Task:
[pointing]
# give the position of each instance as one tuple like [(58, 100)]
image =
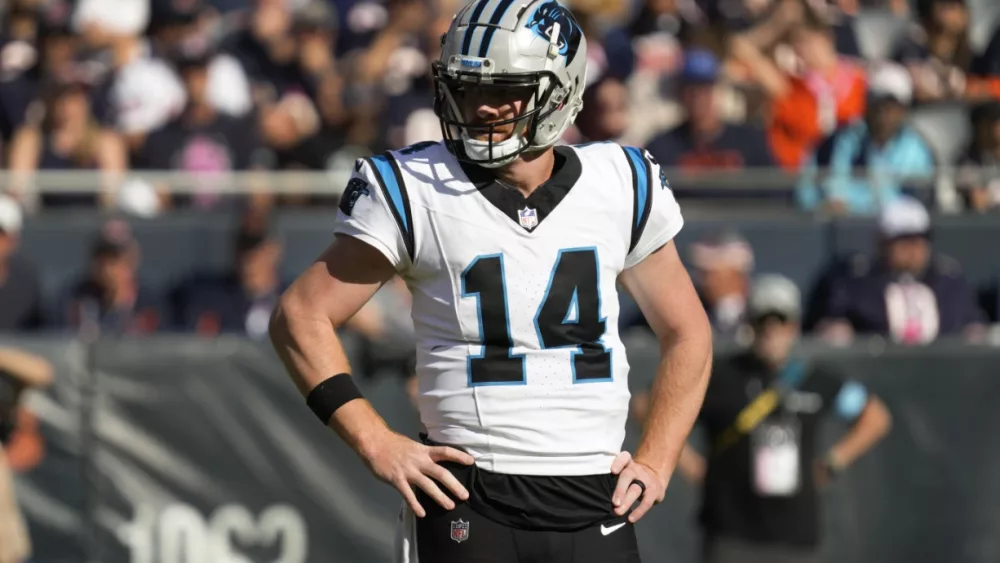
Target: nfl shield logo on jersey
[(528, 217), (460, 530)]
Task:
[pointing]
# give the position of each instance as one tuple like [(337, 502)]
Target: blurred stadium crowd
[(905, 91), (213, 86), (887, 110)]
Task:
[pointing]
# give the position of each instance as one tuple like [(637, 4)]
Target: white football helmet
[(536, 44)]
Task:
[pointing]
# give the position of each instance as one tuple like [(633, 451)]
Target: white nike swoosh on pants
[(606, 530)]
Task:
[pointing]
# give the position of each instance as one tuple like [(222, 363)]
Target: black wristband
[(331, 394)]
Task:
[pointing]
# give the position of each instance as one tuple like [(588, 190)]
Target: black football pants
[(463, 536)]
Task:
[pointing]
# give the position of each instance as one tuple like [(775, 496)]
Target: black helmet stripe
[(495, 20), (470, 27)]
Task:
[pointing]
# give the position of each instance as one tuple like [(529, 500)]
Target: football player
[(513, 249)]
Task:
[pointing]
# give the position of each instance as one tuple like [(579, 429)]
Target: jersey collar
[(529, 212)]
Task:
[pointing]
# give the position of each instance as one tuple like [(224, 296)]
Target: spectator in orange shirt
[(828, 92)]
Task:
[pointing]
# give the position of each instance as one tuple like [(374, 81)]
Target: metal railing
[(331, 182)]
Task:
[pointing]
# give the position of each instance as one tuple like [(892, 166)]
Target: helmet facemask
[(452, 85)]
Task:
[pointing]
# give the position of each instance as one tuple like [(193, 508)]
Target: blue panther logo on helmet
[(542, 20)]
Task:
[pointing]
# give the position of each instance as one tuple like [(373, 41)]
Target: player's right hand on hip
[(405, 464)]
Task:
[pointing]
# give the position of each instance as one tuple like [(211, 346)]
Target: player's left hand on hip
[(631, 472)]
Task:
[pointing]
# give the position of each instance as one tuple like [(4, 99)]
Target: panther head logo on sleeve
[(354, 190)]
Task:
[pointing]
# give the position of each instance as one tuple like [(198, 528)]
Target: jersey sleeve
[(843, 397), (656, 216), (369, 212), (850, 400)]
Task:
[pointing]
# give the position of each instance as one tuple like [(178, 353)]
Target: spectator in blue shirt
[(705, 142), (889, 150)]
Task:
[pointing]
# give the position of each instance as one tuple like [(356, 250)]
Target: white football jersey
[(515, 303)]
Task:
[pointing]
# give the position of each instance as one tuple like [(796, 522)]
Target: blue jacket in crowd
[(850, 148)]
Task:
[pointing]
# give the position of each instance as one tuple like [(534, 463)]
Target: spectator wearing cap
[(888, 151), (979, 169), (937, 51), (821, 92), (110, 298), (240, 302), (763, 470), (142, 91), (20, 296), (202, 141), (722, 266), (906, 293), (705, 142)]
